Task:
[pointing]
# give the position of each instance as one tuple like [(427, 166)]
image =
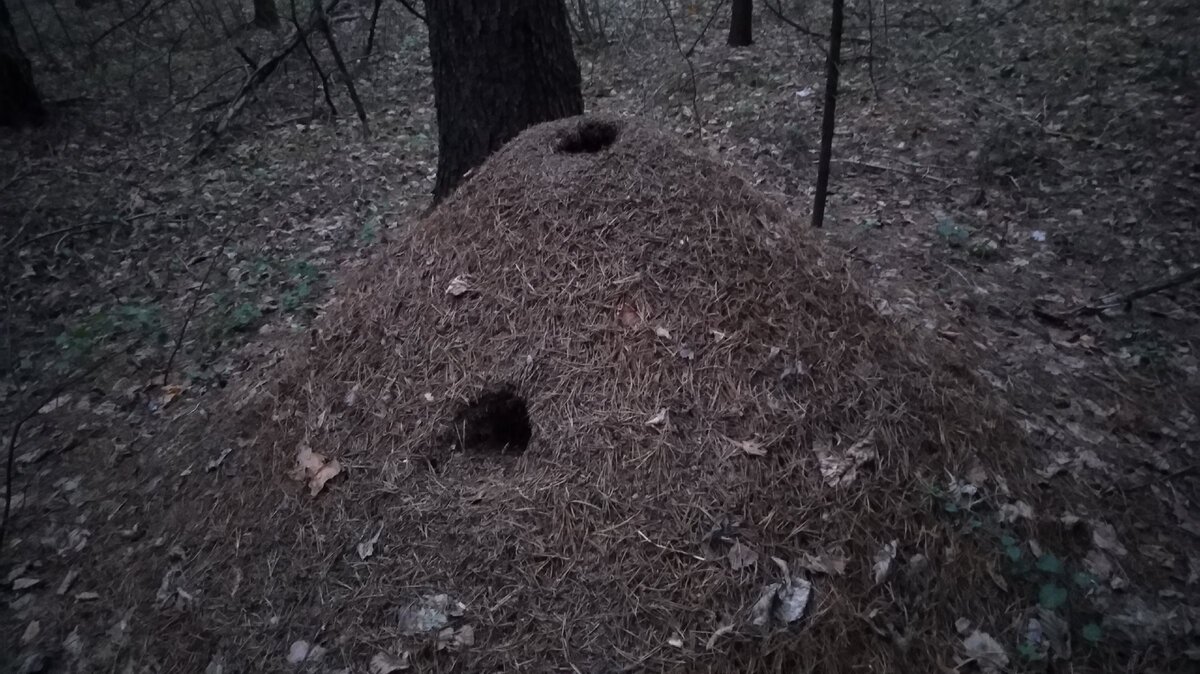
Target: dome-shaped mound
[(592, 396)]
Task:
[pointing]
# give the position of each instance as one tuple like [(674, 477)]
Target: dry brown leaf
[(751, 447), (325, 474), (385, 663), (741, 556)]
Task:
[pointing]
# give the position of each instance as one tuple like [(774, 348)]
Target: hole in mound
[(589, 136), (496, 421)]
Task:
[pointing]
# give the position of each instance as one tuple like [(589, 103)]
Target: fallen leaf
[(54, 404), (658, 418), (840, 468), (662, 332), (302, 651), (751, 447), (67, 581), (431, 612), (1104, 536), (782, 602), (216, 463), (721, 631), (32, 630), (455, 639), (168, 394), (24, 583), (384, 663), (985, 651), (741, 556), (962, 625), (366, 548), (1011, 512), (313, 467), (87, 596), (884, 561), (628, 316), (675, 640), (73, 644), (828, 562), (459, 286), (327, 473)]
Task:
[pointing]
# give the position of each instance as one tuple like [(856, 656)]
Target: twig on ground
[(10, 461), (1113, 300), (187, 319), (413, 10)]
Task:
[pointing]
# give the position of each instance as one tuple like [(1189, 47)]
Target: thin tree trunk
[(832, 66), (741, 24), (20, 104), (266, 14), (498, 68)]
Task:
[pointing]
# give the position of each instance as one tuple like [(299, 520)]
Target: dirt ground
[(1002, 173)]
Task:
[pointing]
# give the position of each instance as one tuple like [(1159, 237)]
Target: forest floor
[(999, 173)]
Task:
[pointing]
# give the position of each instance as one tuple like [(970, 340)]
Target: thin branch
[(316, 65), (30, 412), (687, 58), (187, 319), (341, 64), (413, 10), (1114, 300)]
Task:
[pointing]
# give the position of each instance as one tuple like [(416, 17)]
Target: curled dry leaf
[(985, 652), (741, 556), (302, 651), (366, 548), (385, 663), (840, 468), (662, 332), (658, 418), (313, 467), (828, 562), (1104, 536), (721, 631), (750, 447), (459, 286), (885, 560)]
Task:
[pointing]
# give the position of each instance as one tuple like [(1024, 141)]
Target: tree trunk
[(499, 67), (20, 104), (741, 24), (832, 69), (266, 14)]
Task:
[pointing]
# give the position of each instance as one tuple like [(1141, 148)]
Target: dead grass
[(603, 287)]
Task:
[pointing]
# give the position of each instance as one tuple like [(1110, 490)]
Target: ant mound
[(607, 408)]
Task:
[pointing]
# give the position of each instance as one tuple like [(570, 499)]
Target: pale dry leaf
[(24, 583), (366, 548), (1104, 536), (459, 286), (32, 630), (793, 600), (308, 463), (884, 562), (662, 332), (985, 652), (675, 640), (721, 631), (658, 418), (302, 651), (750, 447), (741, 556), (385, 663), (87, 596), (325, 474), (828, 562), (962, 625), (73, 644), (840, 468)]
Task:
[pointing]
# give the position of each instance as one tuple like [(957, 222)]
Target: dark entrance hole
[(496, 421), (590, 135)]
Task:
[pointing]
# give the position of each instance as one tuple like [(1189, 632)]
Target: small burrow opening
[(590, 135), (496, 421)]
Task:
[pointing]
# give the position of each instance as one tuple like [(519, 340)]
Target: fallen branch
[(1114, 300), (257, 77), (341, 64), (14, 434), (413, 10)]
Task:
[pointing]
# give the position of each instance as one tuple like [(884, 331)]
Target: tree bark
[(499, 67), (20, 104), (266, 14), (832, 69), (741, 24)]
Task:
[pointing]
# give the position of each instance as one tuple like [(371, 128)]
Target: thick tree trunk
[(741, 24), (266, 14), (499, 67), (20, 104)]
